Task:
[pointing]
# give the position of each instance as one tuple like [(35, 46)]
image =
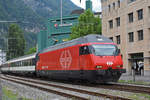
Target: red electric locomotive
[(94, 58)]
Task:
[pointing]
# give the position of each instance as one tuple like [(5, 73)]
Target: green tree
[(88, 24), (16, 42), (31, 50)]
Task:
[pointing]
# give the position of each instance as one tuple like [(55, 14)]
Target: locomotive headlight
[(118, 66), (99, 66)]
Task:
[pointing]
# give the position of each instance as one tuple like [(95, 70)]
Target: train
[(94, 58), (22, 65)]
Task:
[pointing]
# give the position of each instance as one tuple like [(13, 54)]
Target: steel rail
[(48, 90), (76, 90), (129, 88)]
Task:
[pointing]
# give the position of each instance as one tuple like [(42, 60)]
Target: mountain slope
[(18, 11), (48, 8), (31, 14)]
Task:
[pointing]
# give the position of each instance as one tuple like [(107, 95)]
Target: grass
[(9, 94), (140, 97), (136, 82), (12, 96)]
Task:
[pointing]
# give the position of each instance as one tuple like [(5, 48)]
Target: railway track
[(128, 88), (81, 91)]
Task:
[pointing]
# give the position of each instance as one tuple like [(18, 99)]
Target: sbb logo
[(65, 59)]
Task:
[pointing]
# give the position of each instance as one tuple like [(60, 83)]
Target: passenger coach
[(23, 65)]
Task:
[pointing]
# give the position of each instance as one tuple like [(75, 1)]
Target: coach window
[(20, 63), (12, 64), (25, 63), (30, 62), (17, 63), (84, 50), (33, 62)]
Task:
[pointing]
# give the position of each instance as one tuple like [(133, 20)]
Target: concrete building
[(127, 23), (57, 32)]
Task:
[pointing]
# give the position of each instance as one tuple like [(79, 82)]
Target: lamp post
[(61, 12)]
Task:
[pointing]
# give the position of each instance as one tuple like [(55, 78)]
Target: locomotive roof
[(93, 38), (97, 38)]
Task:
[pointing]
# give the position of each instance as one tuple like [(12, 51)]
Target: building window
[(118, 21), (111, 24), (131, 36), (118, 39), (109, 7), (114, 5), (140, 14), (149, 10), (130, 15), (119, 3), (140, 35), (130, 1), (111, 38)]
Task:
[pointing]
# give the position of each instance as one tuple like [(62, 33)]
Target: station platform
[(127, 77)]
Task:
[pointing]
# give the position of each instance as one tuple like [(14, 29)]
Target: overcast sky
[(96, 4)]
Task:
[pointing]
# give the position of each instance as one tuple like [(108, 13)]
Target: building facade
[(56, 32), (127, 23), (88, 5)]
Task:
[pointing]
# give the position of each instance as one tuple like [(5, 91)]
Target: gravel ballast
[(28, 92)]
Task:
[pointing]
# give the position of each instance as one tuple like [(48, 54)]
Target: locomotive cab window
[(84, 50), (105, 50)]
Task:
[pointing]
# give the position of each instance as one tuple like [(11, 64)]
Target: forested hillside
[(31, 15)]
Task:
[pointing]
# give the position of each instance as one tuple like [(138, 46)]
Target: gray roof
[(93, 38)]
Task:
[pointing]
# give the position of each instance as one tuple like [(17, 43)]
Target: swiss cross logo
[(65, 59)]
